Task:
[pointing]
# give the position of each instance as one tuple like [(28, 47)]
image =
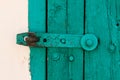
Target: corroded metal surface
[(88, 41), (49, 40)]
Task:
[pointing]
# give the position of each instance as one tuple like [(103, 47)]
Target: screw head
[(63, 41), (71, 58)]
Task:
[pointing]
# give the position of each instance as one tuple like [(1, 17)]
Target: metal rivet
[(112, 48), (71, 58), (31, 39), (25, 38), (63, 41), (55, 57)]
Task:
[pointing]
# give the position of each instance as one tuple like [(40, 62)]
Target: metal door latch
[(88, 41)]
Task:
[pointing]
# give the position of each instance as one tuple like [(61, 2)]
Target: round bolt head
[(63, 41), (89, 42), (71, 58)]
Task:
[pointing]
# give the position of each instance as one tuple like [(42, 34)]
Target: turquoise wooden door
[(94, 22)]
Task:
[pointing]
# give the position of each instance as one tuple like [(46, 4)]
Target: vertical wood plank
[(112, 14), (63, 17), (114, 17), (102, 63), (37, 24), (97, 62), (57, 57), (117, 9), (75, 26)]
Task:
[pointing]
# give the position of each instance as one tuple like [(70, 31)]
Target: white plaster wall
[(14, 59)]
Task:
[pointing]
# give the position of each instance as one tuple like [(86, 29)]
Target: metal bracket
[(49, 40), (87, 42)]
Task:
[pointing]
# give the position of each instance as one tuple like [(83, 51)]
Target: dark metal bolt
[(63, 41), (31, 39)]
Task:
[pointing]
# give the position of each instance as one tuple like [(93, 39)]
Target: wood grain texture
[(117, 8), (102, 63), (75, 18), (63, 17), (67, 16), (37, 24), (57, 68)]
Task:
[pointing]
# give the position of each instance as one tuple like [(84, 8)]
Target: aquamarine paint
[(93, 57)]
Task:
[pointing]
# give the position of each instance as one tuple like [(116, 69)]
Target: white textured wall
[(14, 59)]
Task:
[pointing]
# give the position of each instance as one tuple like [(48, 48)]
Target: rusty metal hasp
[(87, 42)]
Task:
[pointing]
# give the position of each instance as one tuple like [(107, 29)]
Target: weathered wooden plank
[(117, 8), (57, 57), (97, 62), (114, 39), (102, 63), (37, 24), (113, 18), (65, 63), (75, 18)]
